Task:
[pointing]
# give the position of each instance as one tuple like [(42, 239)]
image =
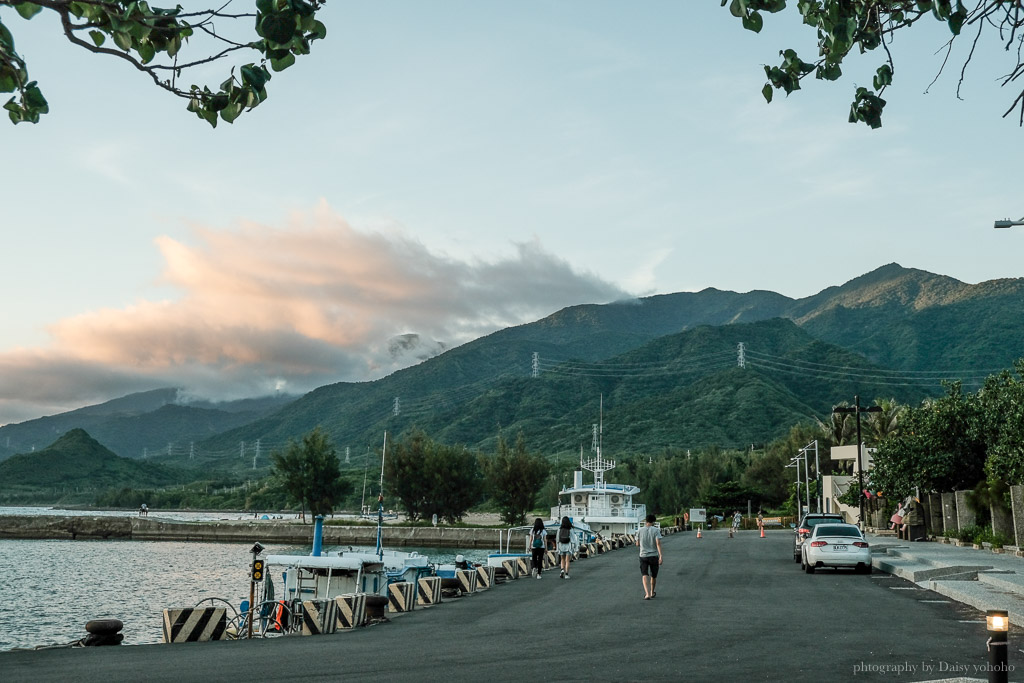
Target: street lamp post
[(857, 410), (817, 468), (1007, 223)]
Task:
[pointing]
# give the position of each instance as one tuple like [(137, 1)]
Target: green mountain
[(76, 461), (141, 424), (667, 366), (684, 390)]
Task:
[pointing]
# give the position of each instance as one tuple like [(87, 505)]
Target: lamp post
[(817, 468), (1007, 223), (857, 410), (795, 465), (997, 623)]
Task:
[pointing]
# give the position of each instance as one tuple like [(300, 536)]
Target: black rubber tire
[(809, 568), (103, 627), (796, 558)]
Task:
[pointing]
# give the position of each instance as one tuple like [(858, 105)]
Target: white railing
[(582, 511)]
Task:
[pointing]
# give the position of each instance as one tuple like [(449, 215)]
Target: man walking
[(649, 540)]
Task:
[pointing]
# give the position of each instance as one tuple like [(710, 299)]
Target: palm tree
[(840, 430), (882, 425)]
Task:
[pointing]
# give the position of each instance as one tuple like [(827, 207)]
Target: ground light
[(997, 623)]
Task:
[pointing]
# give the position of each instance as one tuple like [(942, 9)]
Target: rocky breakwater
[(66, 528)]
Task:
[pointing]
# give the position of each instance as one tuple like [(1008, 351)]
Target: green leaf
[(146, 52), (738, 8), (97, 37), (767, 91), (122, 40), (34, 98), (27, 10), (319, 30), (283, 63), (253, 76), (829, 72), (956, 20), (231, 112), (754, 22)]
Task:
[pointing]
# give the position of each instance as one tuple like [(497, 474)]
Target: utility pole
[(857, 410)]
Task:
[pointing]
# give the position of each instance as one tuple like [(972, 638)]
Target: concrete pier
[(724, 612), (238, 531)]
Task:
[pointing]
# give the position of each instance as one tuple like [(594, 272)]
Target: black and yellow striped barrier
[(318, 616), (550, 559), (511, 568), (467, 580), (429, 592), (401, 596), (524, 566), (194, 624), (484, 577), (350, 610)]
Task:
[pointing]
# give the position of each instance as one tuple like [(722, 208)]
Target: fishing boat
[(606, 509)]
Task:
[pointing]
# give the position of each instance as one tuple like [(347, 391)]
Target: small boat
[(305, 577)]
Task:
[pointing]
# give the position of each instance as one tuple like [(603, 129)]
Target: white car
[(835, 545)]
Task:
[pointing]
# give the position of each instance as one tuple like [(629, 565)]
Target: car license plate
[(839, 547)]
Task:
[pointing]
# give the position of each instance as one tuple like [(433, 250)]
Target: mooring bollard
[(103, 632)]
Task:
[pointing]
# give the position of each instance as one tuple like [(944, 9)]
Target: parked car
[(836, 545), (803, 529)]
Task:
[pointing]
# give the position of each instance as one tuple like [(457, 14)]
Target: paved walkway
[(979, 578), (727, 610)]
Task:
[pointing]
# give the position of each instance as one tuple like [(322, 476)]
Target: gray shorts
[(564, 548)]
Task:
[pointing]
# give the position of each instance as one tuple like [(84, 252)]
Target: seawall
[(237, 531)]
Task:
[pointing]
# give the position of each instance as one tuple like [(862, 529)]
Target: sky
[(450, 168)]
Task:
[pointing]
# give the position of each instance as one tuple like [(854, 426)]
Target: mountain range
[(678, 371)]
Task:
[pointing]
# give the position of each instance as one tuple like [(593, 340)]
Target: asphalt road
[(727, 610)]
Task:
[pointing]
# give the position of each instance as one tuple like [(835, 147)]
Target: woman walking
[(564, 547), (538, 544)]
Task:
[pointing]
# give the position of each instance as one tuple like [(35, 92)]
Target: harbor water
[(51, 588)]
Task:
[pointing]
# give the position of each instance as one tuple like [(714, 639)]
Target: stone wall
[(949, 513), (965, 515)]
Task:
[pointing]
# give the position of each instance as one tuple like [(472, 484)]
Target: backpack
[(564, 535), (538, 539)]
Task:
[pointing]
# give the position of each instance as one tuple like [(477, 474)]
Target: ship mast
[(598, 465)]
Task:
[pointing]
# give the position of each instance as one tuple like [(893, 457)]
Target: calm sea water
[(51, 589)]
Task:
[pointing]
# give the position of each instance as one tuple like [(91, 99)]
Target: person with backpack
[(538, 541), (564, 547)]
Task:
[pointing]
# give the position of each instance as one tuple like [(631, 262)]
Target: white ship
[(606, 508)]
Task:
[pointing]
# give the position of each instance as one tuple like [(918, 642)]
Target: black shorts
[(649, 565)]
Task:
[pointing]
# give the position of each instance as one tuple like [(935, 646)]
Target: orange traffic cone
[(762, 532), (698, 532)]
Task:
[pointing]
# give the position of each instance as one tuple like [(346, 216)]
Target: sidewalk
[(979, 578)]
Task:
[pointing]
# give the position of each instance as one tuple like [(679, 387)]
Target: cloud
[(264, 308)]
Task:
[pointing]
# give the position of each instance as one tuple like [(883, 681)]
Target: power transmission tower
[(191, 450), (241, 450), (536, 365), (397, 407), (346, 455), (741, 358)]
